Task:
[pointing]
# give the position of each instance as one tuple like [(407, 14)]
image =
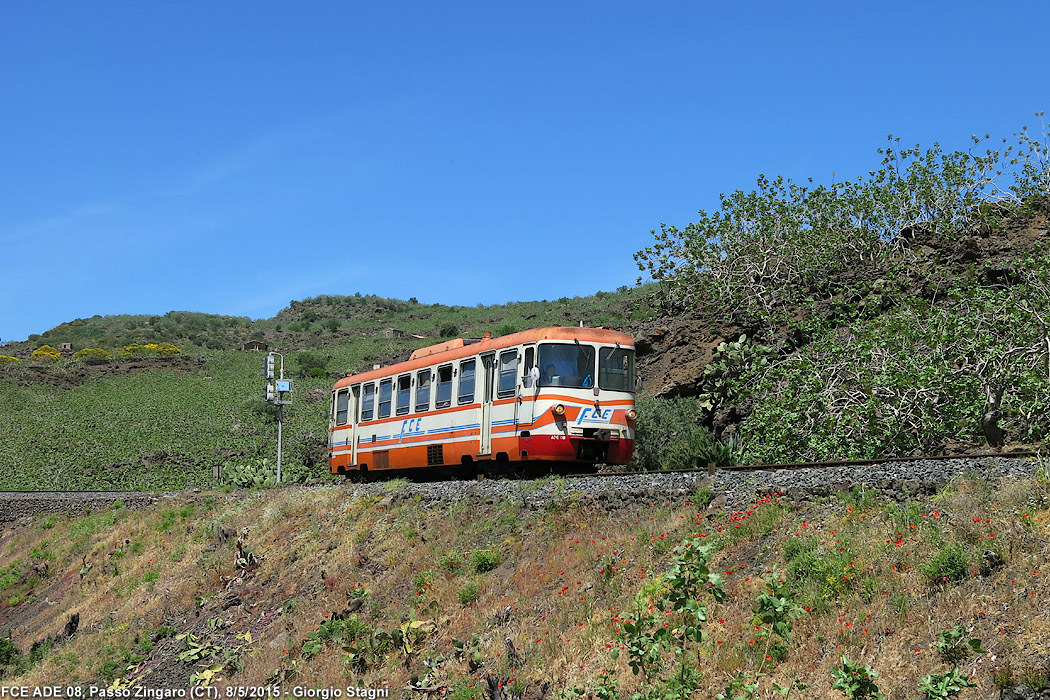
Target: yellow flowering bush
[(167, 349), (91, 355), (7, 359), (151, 350), (46, 353)]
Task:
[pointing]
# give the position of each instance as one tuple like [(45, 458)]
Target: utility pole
[(279, 394)]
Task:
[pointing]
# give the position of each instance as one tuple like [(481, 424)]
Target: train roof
[(465, 347)]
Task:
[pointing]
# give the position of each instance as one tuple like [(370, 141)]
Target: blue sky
[(228, 157)]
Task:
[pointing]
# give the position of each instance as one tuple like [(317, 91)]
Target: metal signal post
[(279, 394)]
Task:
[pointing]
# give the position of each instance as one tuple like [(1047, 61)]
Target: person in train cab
[(548, 374)]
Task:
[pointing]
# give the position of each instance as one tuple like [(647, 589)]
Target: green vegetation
[(671, 435), (332, 320), (468, 593), (262, 472), (855, 681), (582, 598), (950, 564), (893, 335), (194, 401), (485, 560)]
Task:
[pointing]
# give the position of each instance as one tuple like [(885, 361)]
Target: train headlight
[(632, 414), (558, 410)]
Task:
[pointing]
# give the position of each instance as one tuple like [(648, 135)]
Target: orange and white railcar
[(543, 395)]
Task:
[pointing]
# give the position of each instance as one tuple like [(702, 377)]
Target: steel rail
[(785, 466), (788, 466)]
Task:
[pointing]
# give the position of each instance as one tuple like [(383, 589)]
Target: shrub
[(485, 560), (7, 359), (670, 436), (855, 681), (951, 647), (423, 580), (91, 355), (9, 653), (940, 686), (311, 364), (46, 353), (136, 350), (468, 593), (262, 472), (950, 563)]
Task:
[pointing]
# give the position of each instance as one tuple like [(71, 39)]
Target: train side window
[(423, 390), (466, 381), (342, 401), (508, 374), (616, 369), (386, 389), (368, 399), (404, 393), (444, 388), (530, 362)]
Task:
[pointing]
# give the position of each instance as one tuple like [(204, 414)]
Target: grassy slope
[(862, 567), (332, 320), (166, 428)]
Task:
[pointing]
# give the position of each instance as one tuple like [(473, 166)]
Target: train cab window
[(466, 381), (404, 393), (368, 398), (508, 374), (423, 390), (444, 387), (562, 364), (616, 369), (386, 389), (342, 401)]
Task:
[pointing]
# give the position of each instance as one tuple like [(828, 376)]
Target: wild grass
[(561, 581)]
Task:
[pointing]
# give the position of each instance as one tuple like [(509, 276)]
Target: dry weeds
[(565, 574)]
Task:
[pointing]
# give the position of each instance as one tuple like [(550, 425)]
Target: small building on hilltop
[(255, 346)]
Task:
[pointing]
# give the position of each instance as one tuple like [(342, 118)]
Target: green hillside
[(153, 422), (333, 320), (901, 312)]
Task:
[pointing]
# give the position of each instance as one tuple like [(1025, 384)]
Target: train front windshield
[(565, 365)]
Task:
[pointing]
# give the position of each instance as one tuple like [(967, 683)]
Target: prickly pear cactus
[(729, 362), (262, 472)]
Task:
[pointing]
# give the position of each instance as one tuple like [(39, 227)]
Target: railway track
[(843, 463), (639, 485)]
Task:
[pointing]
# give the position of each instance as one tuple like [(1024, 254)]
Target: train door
[(487, 368), (530, 387), (355, 399), (507, 385)]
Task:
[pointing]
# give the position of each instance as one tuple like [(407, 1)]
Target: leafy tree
[(908, 372), (784, 243), (311, 364)]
